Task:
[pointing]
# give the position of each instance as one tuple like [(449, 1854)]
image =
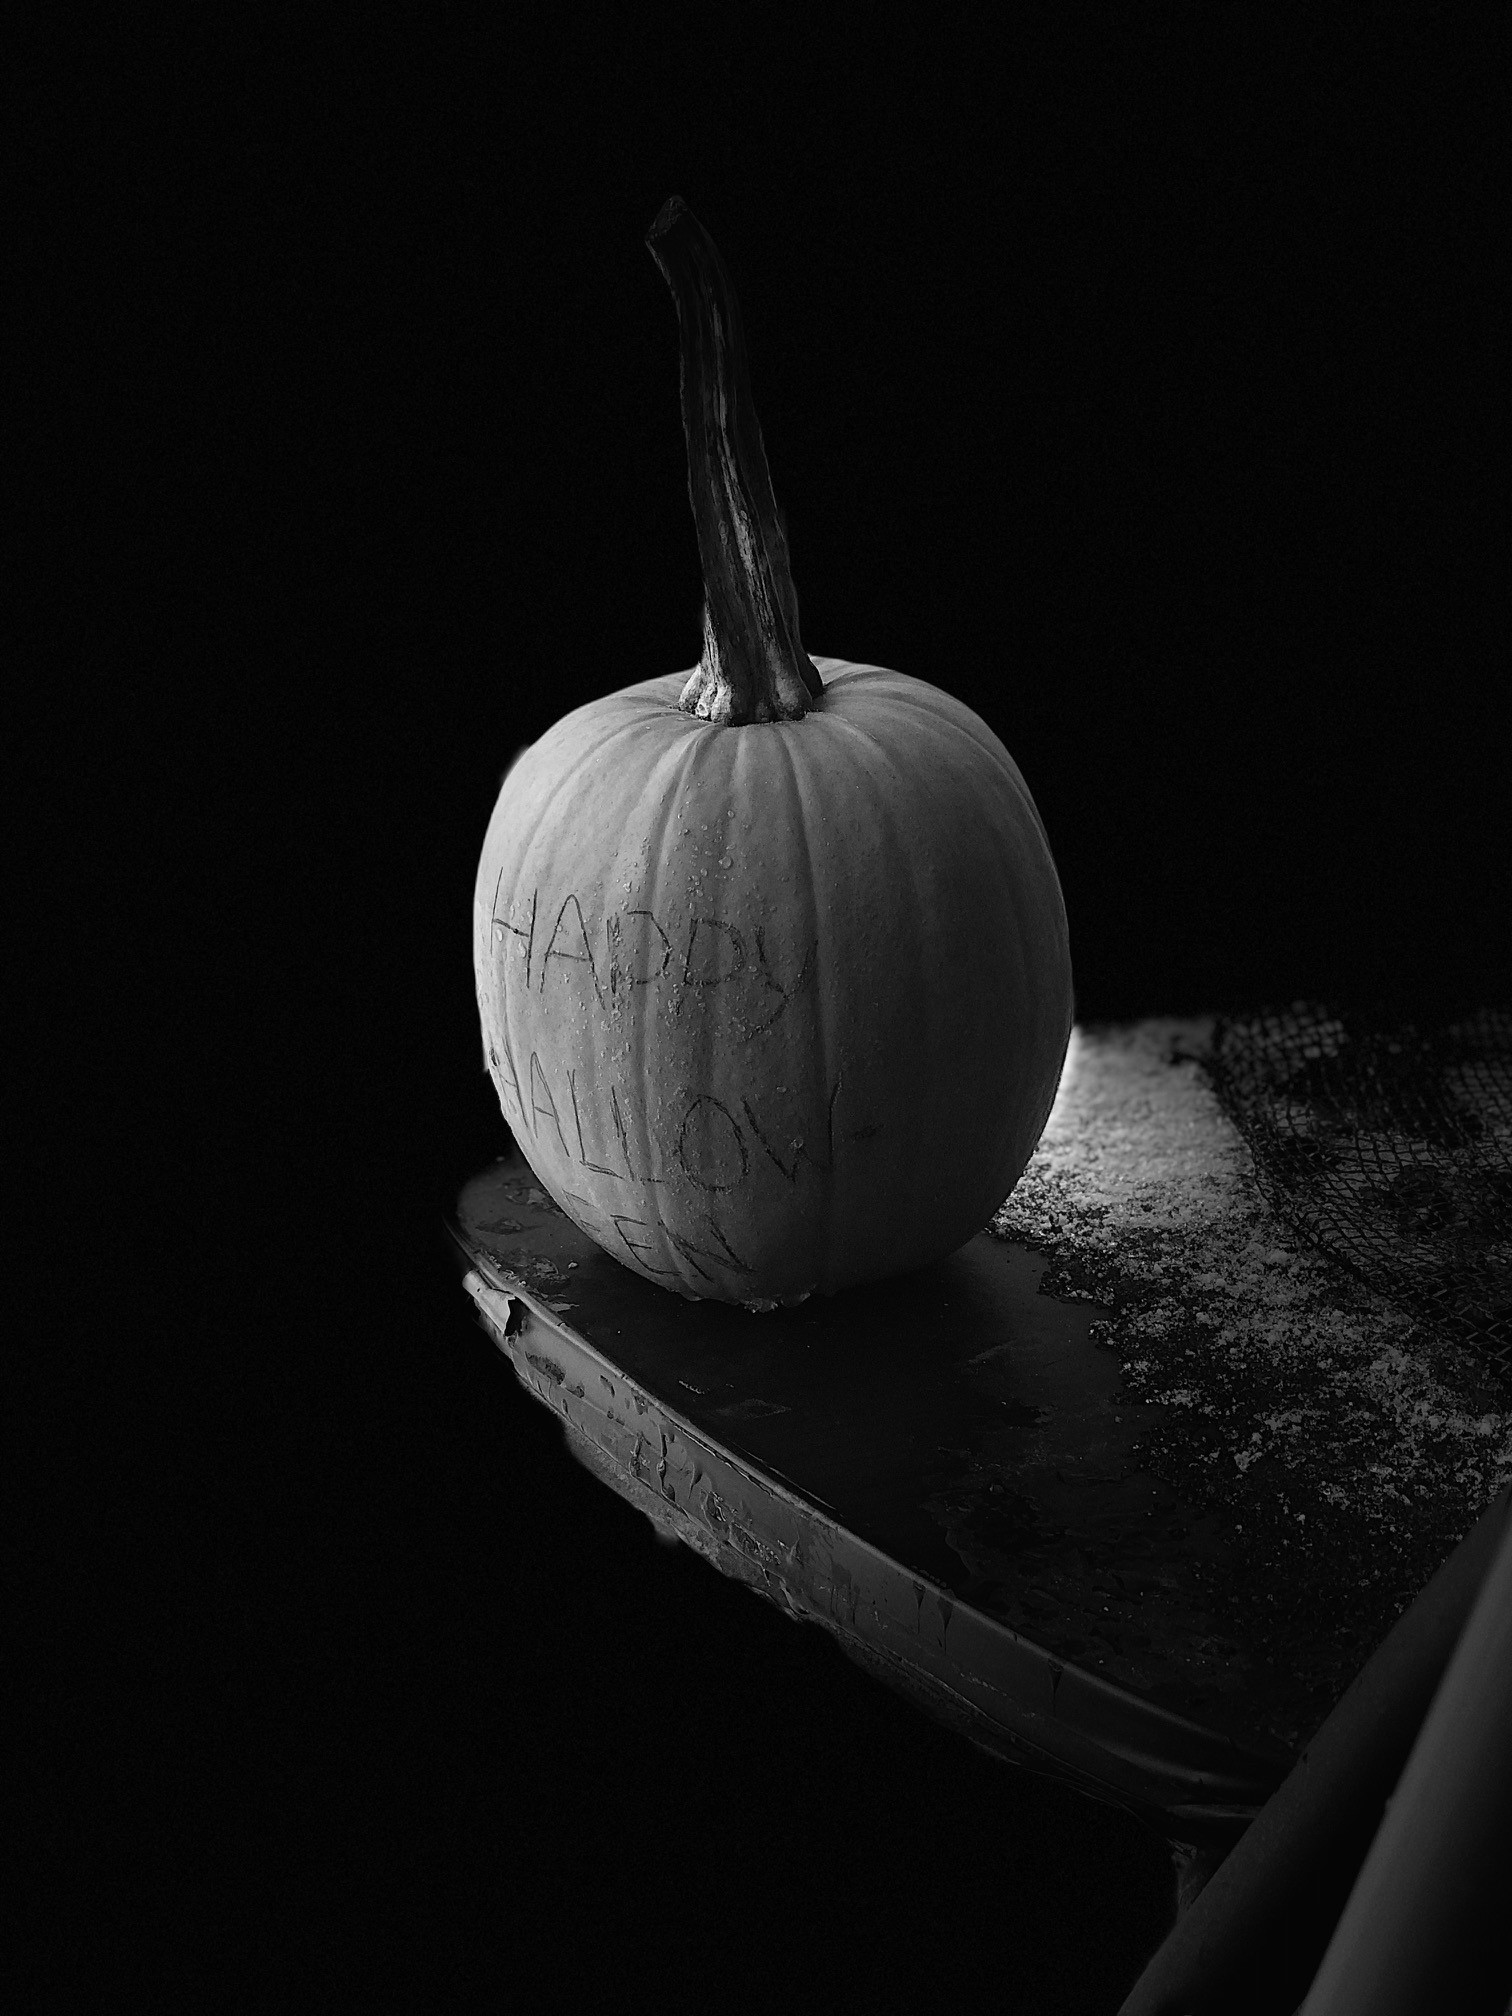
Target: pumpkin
[(771, 958)]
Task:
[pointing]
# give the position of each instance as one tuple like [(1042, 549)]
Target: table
[(1125, 1490)]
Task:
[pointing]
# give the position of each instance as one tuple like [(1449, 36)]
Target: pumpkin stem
[(754, 667)]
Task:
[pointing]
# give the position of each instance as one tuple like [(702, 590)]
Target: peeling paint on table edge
[(1009, 1695)]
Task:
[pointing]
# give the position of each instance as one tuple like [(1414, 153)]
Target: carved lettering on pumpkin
[(639, 952), (632, 1104), (536, 1108), (691, 1253), (785, 994), (638, 1248), (717, 961), (798, 1149), (706, 1156), (619, 976), (502, 924), (587, 1204), (729, 1262), (597, 1167), (513, 1081), (619, 1128), (583, 958), (732, 1258)]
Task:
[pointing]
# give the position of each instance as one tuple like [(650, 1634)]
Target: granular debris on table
[(1347, 1440)]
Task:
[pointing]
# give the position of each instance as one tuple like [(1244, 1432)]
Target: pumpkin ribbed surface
[(775, 1007)]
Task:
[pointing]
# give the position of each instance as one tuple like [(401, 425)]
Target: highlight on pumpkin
[(1065, 1089)]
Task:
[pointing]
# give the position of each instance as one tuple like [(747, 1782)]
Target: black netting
[(1388, 1145)]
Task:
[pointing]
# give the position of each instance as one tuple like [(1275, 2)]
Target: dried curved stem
[(754, 666)]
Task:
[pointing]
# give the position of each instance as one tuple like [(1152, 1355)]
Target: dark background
[(1141, 380)]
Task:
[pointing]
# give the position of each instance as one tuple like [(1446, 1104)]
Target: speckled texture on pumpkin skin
[(1346, 1447), (805, 1020)]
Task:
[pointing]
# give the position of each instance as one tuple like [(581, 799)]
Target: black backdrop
[(1135, 378)]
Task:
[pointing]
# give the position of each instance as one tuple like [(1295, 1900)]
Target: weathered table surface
[(1007, 1502)]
